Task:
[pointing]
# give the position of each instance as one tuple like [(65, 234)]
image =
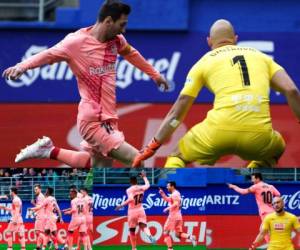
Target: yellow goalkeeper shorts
[(205, 143)]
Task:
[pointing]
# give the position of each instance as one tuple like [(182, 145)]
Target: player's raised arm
[(282, 82), (136, 59), (147, 184), (164, 196), (238, 189), (57, 53)]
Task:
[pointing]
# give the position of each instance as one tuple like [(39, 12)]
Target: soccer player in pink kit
[(16, 223), (40, 218), (264, 194), (89, 215), (50, 207), (136, 213), (78, 219), (174, 221), (91, 53)]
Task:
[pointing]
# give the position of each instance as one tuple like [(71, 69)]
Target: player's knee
[(174, 162), (166, 233), (142, 225)]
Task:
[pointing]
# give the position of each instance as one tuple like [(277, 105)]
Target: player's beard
[(279, 210)]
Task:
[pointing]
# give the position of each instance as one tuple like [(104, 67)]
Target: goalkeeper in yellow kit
[(240, 122), (279, 225)]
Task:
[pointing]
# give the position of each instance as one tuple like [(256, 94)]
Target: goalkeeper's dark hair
[(14, 190), (114, 9), (172, 183), (257, 176)]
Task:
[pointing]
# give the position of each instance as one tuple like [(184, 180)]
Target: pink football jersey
[(264, 194)]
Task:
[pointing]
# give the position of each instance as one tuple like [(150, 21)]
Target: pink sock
[(85, 242), (89, 245), (22, 241), (133, 240), (9, 241), (39, 238), (75, 159), (168, 241)]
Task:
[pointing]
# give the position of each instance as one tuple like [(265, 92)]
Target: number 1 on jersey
[(243, 68)]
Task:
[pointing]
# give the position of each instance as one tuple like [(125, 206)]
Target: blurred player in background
[(264, 194), (50, 207), (136, 212), (240, 122), (279, 225), (40, 218), (89, 216), (16, 223), (91, 53), (174, 222), (78, 219)]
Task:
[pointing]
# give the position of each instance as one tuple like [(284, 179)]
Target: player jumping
[(174, 221), (91, 53), (136, 212)]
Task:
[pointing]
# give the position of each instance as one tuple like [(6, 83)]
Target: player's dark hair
[(114, 9), (257, 176), (133, 180), (84, 189), (49, 190), (172, 183), (14, 190), (73, 187), (38, 185)]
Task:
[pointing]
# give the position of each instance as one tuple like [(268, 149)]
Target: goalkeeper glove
[(146, 153)]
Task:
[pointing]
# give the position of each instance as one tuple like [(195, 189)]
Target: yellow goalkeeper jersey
[(239, 77), (280, 228)]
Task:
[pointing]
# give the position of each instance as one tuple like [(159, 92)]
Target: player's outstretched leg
[(44, 148)]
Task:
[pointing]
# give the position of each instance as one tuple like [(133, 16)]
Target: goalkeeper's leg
[(174, 162)]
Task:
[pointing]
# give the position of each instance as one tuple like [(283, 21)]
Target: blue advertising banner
[(27, 215), (173, 54), (214, 199)]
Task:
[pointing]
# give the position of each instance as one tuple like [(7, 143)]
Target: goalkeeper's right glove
[(146, 153)]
